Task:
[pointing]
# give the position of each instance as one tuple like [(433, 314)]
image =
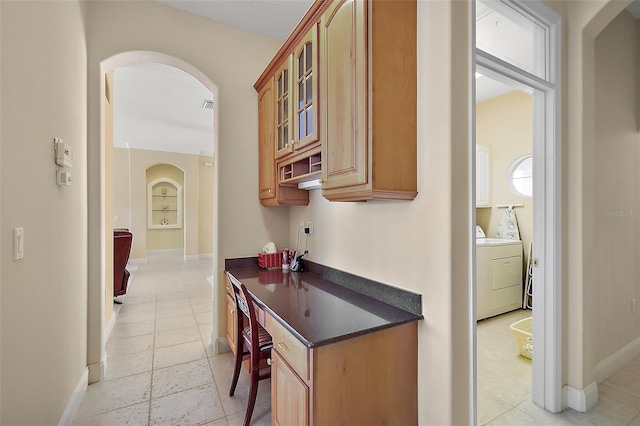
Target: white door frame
[(547, 293)]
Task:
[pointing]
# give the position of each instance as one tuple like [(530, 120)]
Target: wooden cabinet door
[(289, 395), (231, 324), (305, 81), (344, 94), (283, 109), (266, 142)]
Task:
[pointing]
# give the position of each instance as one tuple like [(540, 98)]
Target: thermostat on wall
[(63, 153)]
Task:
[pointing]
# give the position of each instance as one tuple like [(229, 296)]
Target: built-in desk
[(339, 357)]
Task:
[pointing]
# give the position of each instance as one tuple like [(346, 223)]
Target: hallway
[(161, 369)]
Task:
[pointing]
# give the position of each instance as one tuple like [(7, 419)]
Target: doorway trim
[(96, 326), (547, 224)]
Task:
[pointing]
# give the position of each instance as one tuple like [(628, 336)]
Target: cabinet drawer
[(506, 272), (289, 347), (506, 250)]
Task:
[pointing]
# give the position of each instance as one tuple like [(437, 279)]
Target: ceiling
[(270, 18), (158, 107)]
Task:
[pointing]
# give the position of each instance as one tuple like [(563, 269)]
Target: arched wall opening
[(100, 318)]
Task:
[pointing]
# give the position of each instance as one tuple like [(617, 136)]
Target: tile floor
[(161, 369), (504, 385)]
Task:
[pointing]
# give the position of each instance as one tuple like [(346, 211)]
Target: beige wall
[(205, 197), (44, 295), (505, 124), (228, 58), (109, 195), (615, 281), (421, 245), (197, 195), (583, 70)]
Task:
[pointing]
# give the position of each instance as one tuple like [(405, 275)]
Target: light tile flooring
[(161, 369), (504, 385)]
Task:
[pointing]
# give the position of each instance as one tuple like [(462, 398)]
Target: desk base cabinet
[(365, 380), (289, 395)]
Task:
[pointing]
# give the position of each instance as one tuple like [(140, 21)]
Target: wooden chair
[(253, 341)]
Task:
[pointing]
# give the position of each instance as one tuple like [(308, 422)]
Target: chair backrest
[(245, 304)]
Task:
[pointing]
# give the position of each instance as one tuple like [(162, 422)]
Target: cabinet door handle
[(282, 346), (269, 362)]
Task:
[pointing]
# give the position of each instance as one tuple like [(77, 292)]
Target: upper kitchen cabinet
[(368, 96), (288, 116), (271, 193)]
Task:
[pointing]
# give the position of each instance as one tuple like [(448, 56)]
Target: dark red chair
[(122, 240), (253, 341)]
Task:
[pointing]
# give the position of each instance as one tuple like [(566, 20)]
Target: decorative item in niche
[(520, 176)]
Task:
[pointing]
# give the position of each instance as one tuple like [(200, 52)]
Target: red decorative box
[(270, 261)]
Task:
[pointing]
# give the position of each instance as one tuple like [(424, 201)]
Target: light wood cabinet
[(327, 385), (231, 317), (289, 395), (368, 96), (271, 193)]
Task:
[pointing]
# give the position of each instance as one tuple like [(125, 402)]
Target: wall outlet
[(302, 225), (310, 226)]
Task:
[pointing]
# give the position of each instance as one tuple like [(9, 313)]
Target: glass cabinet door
[(306, 89), (284, 137)]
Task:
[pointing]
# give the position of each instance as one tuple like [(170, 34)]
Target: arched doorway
[(101, 253)]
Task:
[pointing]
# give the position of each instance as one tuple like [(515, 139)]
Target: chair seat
[(264, 338)]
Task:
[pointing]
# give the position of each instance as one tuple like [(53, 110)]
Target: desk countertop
[(318, 312)]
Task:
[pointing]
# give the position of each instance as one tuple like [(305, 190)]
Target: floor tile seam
[(215, 383), (637, 417), (101, 413), (503, 401), (185, 389), (176, 344), (624, 391)]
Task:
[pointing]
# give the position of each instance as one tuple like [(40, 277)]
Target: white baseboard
[(192, 257), (614, 362), (98, 370), (581, 400), (206, 256), (76, 399), (220, 344)]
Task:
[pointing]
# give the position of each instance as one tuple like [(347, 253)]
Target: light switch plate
[(18, 243)]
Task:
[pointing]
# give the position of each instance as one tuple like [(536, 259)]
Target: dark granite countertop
[(317, 311)]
